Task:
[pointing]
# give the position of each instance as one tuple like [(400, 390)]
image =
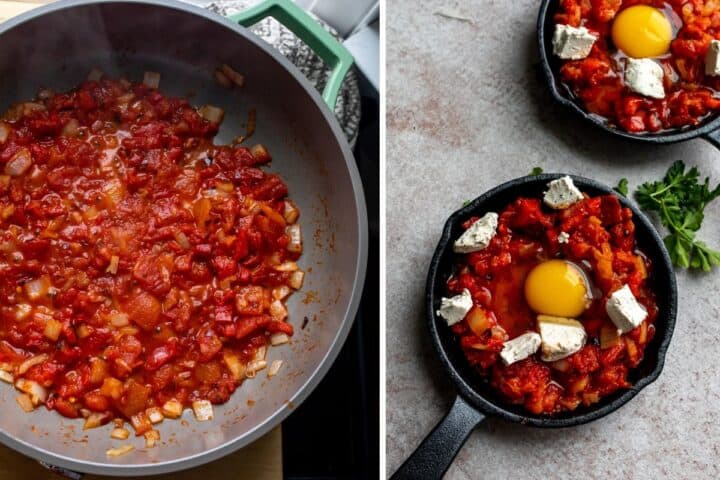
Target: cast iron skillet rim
[(705, 128), (490, 408), (119, 469)]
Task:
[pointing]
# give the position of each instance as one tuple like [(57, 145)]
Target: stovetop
[(335, 432)]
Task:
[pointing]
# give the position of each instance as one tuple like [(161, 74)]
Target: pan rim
[(479, 401), (115, 469)]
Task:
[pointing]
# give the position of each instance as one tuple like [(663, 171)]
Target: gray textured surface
[(467, 110)]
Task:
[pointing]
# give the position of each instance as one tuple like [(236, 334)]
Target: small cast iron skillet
[(709, 129), (476, 399)]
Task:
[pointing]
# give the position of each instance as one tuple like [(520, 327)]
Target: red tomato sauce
[(139, 263), (597, 81), (602, 241)]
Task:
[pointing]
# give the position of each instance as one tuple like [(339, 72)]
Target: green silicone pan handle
[(309, 31)]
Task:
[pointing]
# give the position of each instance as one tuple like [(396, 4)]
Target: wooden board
[(262, 460)]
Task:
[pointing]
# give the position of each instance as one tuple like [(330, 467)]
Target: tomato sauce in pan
[(139, 263), (601, 240)]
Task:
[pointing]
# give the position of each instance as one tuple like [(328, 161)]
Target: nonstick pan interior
[(55, 47)]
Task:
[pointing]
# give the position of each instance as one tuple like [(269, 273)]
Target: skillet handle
[(335, 55), (713, 137), (435, 454)]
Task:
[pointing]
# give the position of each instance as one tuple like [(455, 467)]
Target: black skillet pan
[(708, 130), (476, 399)]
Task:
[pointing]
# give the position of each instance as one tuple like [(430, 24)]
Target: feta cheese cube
[(645, 76), (562, 193), (570, 43), (478, 236), (624, 310), (563, 237), (455, 308), (712, 59), (520, 348), (561, 337)]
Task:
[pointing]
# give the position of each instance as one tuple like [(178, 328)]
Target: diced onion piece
[(120, 433), (579, 385), (91, 213), (222, 79), (45, 94), (290, 212), (4, 132), (478, 320), (295, 244), (155, 415), (71, 128), (113, 267), (260, 153), (260, 353), (286, 267), (151, 79), (201, 211), (25, 402), (271, 214), (112, 387), (255, 366), (38, 288), (609, 336), (278, 310), (22, 311), (116, 452), (642, 337), (182, 240), (52, 330), (31, 362), (203, 410), (281, 292), (233, 363), (151, 437), (114, 193), (83, 331), (172, 409), (37, 393), (237, 78), (279, 339), (140, 423), (94, 420), (226, 187), (19, 163), (296, 279), (6, 377), (7, 366), (252, 206), (98, 370), (212, 113), (274, 368), (95, 75)]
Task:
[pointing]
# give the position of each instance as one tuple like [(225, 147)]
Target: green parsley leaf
[(622, 187), (466, 203), (680, 199), (536, 171)]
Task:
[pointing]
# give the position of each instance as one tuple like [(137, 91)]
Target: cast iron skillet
[(708, 129), (476, 399)]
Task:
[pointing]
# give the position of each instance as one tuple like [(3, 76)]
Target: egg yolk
[(642, 31), (558, 288)]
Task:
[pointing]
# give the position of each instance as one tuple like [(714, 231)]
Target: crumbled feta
[(562, 193), (624, 310), (455, 308), (570, 43), (520, 348), (712, 59), (561, 337), (563, 237), (645, 76), (478, 236)]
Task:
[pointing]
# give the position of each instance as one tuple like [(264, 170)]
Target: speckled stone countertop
[(466, 110)]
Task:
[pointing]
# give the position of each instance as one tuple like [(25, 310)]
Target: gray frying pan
[(55, 46)]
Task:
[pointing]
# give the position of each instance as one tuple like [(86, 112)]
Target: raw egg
[(558, 288), (642, 31)]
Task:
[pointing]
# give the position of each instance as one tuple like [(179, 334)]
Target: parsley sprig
[(680, 201)]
